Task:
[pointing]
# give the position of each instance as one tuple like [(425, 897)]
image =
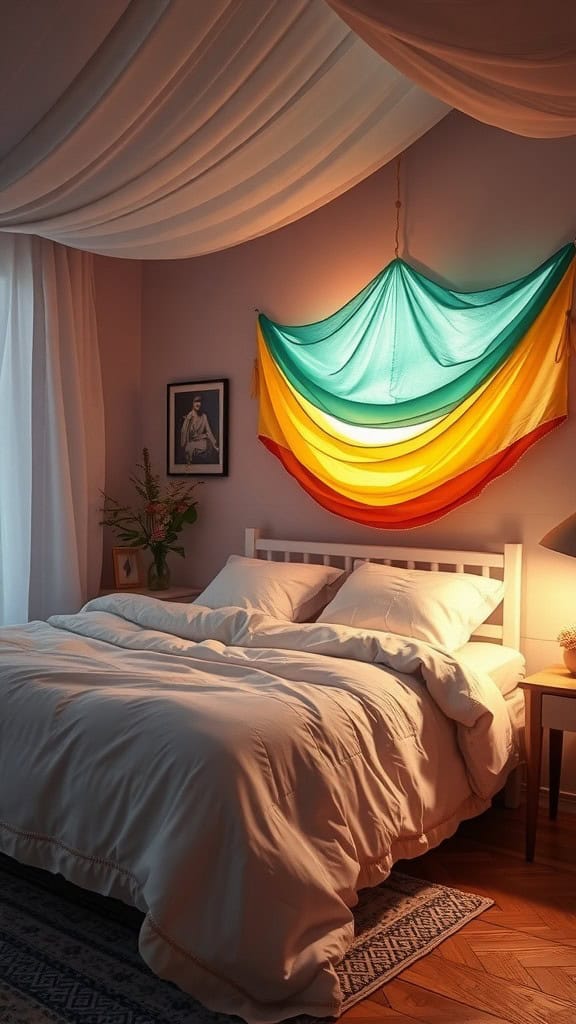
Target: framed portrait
[(198, 428), (127, 571)]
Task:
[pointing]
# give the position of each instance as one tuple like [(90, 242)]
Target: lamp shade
[(562, 538)]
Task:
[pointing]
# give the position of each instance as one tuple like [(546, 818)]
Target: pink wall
[(118, 311), (481, 207)]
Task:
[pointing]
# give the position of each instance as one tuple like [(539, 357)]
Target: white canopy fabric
[(508, 63), (161, 129)]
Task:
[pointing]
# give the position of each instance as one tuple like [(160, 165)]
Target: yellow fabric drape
[(526, 391)]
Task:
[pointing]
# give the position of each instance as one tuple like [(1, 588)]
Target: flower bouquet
[(156, 522)]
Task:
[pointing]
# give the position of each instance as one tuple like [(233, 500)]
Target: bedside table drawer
[(559, 712)]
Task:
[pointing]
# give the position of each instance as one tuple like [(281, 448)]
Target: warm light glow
[(376, 436)]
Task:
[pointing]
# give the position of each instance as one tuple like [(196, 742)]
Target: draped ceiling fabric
[(508, 63), (160, 129), (406, 402)]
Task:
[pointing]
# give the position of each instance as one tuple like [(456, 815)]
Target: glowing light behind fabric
[(406, 402)]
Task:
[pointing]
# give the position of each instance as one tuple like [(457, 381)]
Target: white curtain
[(508, 63), (52, 429), (191, 126), (16, 335)]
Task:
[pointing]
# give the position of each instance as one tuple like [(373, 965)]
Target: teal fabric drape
[(406, 350)]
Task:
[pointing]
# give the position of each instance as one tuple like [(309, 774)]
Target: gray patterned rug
[(68, 957)]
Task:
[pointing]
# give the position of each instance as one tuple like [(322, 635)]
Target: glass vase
[(158, 572)]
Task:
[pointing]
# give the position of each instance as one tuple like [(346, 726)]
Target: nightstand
[(550, 697), (181, 594)]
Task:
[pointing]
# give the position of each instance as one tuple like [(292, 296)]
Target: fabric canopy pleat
[(193, 127), (164, 129), (511, 64)]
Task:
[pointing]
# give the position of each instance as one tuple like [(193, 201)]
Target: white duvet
[(237, 779)]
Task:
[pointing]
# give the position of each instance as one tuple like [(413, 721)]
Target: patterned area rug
[(68, 957)]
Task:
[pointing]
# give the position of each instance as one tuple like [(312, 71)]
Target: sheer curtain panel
[(52, 425), (16, 343)]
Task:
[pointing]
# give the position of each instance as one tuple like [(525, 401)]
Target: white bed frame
[(505, 565)]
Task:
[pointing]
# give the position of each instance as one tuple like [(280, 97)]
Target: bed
[(238, 775)]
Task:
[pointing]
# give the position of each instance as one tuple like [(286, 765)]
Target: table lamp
[(562, 538)]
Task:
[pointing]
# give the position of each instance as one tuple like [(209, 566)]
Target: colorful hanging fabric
[(406, 402)]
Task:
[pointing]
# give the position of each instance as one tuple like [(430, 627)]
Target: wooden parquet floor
[(516, 963)]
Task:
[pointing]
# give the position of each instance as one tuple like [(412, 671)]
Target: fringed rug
[(67, 957)]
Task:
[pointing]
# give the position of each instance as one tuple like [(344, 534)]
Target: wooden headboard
[(505, 565)]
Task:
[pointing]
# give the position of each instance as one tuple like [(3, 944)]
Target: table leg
[(534, 758), (556, 737)]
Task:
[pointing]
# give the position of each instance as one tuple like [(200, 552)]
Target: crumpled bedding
[(238, 779)]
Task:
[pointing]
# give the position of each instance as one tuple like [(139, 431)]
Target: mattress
[(505, 665), (516, 712)]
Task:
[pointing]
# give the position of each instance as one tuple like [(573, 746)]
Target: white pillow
[(295, 591), (443, 608)]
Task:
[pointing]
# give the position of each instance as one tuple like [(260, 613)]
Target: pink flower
[(159, 515)]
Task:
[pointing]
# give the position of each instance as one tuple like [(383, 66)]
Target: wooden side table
[(550, 697), (181, 594)]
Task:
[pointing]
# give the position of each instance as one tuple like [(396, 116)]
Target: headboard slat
[(506, 565)]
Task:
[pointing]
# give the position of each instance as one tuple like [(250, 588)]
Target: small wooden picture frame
[(127, 570)]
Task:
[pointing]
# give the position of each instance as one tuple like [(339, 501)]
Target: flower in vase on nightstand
[(567, 640), (156, 522)]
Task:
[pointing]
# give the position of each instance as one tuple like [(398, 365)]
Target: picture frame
[(197, 429), (127, 568)]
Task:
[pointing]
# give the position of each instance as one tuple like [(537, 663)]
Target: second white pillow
[(442, 608)]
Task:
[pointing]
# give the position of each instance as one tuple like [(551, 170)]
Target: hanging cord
[(255, 376), (567, 341), (568, 337), (398, 205), (255, 380)]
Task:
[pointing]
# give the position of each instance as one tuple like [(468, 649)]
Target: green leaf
[(133, 525)]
